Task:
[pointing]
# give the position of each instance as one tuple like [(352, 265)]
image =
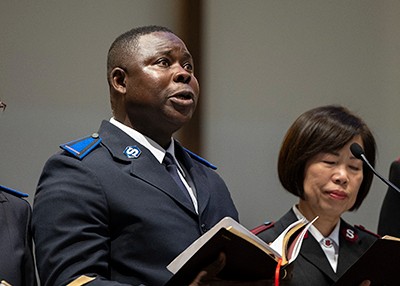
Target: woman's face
[(331, 182)]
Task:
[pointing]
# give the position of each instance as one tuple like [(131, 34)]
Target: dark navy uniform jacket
[(312, 267), (16, 258), (120, 219), (389, 219)]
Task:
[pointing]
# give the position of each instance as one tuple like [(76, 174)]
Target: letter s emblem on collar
[(132, 152)]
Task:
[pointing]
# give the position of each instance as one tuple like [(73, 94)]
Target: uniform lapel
[(145, 166), (311, 250), (349, 251), (150, 170), (202, 187), (197, 175)]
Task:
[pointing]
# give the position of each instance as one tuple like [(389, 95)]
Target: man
[(107, 211), (16, 256)]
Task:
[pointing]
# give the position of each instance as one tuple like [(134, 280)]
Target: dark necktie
[(172, 169)]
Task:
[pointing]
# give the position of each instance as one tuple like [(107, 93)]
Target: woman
[(316, 164)]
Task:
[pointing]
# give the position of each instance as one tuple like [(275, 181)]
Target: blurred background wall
[(261, 63)]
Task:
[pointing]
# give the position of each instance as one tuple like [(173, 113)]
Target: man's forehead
[(161, 43)]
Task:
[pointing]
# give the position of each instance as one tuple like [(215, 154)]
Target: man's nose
[(182, 75)]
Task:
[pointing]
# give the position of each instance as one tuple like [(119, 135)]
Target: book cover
[(247, 256), (380, 264)]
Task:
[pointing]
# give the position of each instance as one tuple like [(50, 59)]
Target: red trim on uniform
[(262, 227), (367, 231)]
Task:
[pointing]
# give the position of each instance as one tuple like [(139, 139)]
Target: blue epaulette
[(81, 147), (200, 159), (13, 192)]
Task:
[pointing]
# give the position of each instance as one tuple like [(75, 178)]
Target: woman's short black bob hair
[(323, 129)]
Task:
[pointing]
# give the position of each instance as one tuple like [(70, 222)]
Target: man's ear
[(118, 79)]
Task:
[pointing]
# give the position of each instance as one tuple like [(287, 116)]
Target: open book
[(247, 256), (380, 264)]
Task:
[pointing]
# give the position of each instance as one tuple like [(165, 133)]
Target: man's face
[(161, 89)]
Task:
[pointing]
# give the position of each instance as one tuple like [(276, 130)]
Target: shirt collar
[(147, 142), (334, 235)]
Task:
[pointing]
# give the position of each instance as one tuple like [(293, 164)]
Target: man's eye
[(163, 62), (188, 66), (329, 162)]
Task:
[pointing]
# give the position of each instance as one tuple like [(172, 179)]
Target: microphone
[(358, 152)]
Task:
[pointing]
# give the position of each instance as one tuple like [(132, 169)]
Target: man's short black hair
[(124, 45)]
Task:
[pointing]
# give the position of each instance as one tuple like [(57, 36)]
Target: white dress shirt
[(159, 153), (329, 244)]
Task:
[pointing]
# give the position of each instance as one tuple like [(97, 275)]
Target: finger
[(210, 272), (365, 283), (214, 268), (199, 278)]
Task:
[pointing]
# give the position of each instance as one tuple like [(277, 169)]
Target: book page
[(275, 250), (277, 244), (280, 243), (255, 240), (390, 237), (294, 249)]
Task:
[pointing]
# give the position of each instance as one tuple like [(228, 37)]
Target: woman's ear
[(117, 79)]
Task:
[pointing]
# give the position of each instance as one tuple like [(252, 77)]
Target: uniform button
[(204, 227)]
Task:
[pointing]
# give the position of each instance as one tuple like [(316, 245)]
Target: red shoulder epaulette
[(266, 225), (362, 228)]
